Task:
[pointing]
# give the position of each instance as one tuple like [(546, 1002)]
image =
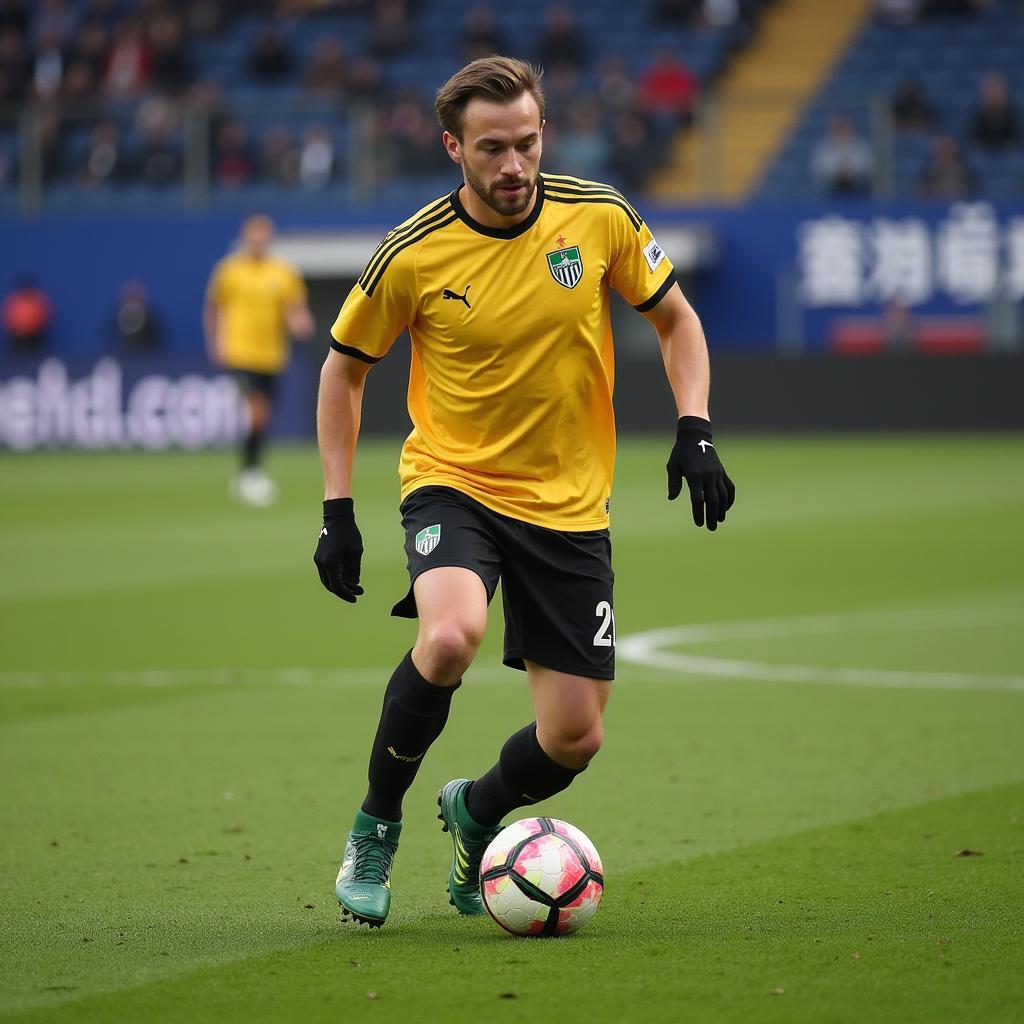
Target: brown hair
[(499, 79)]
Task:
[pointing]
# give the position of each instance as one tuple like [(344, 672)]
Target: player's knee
[(449, 648), (576, 748)]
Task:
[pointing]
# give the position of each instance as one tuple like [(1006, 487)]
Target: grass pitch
[(185, 716)]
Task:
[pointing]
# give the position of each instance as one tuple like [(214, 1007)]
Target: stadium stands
[(946, 57), (220, 105)]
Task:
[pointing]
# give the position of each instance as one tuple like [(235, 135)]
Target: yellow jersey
[(252, 297), (512, 371)]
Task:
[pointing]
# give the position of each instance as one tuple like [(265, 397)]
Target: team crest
[(566, 266), (428, 539)]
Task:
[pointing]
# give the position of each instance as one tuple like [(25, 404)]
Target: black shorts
[(556, 586), (253, 383)]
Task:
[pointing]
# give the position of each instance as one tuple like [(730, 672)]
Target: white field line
[(649, 648)]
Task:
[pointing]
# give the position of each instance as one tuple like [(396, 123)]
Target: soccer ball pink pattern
[(541, 876)]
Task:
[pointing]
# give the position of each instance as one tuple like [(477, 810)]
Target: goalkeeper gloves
[(339, 551), (694, 457)]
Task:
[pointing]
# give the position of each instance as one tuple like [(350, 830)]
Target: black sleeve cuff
[(347, 350), (339, 507), (658, 295)]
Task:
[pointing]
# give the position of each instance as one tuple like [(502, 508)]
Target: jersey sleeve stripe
[(348, 350), (394, 250), (597, 198), (392, 237), (658, 295), (578, 185)]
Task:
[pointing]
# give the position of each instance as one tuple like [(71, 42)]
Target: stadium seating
[(946, 57), (608, 27)]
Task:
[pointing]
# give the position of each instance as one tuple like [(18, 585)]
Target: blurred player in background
[(504, 285), (255, 303)]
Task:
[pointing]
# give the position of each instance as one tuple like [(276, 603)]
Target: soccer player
[(253, 302), (507, 473)]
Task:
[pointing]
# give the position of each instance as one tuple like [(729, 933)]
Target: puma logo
[(449, 294)]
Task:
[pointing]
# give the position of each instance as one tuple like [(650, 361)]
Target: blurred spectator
[(911, 112), (104, 162), (897, 327), (159, 159), (947, 175), (15, 68), (53, 16), (391, 33), (614, 85), (27, 315), (328, 72), (50, 142), (232, 164), (631, 159), (721, 13), (668, 89), (205, 18), (129, 61), (898, 12), (954, 8), (48, 64), (79, 82), (480, 35), (157, 114), (365, 79), (279, 158), (561, 92), (135, 325), (676, 12), (14, 15), (995, 122), (172, 70), (90, 45), (584, 147), (103, 11), (562, 42), (316, 162), (414, 140), (842, 163), (271, 60)]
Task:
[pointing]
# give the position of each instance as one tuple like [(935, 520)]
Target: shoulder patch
[(654, 254)]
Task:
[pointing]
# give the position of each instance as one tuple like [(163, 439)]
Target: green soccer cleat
[(469, 841), (363, 887)]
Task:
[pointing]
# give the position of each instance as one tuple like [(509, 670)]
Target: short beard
[(507, 206)]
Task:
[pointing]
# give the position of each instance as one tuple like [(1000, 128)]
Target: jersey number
[(605, 635)]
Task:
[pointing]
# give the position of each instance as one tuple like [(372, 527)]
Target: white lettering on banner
[(1013, 280), (967, 253), (845, 262), (158, 412), (831, 258), (903, 261)]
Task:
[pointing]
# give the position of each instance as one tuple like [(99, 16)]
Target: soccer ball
[(541, 876)]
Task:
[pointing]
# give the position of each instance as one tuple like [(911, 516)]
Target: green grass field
[(185, 716)]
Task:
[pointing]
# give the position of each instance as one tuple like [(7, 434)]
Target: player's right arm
[(381, 303), (339, 551), (215, 290)]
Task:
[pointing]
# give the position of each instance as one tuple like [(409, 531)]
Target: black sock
[(523, 775), (413, 716), (252, 448)]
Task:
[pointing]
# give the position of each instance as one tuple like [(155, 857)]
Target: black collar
[(513, 232)]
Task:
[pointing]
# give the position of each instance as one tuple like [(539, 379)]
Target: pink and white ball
[(541, 877)]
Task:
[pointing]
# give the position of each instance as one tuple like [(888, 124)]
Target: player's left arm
[(297, 317), (685, 354), (300, 321)]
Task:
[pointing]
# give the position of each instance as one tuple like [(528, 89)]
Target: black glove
[(339, 551), (694, 457)]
